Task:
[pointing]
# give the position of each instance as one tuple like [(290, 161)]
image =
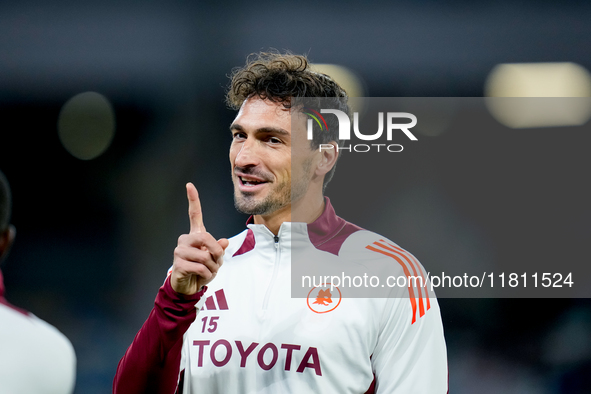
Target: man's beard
[(249, 204), (281, 196)]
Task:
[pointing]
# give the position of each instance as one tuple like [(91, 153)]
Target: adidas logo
[(212, 305)]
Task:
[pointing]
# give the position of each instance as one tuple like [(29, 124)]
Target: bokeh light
[(539, 94), (86, 125), (538, 80), (348, 80), (343, 76)]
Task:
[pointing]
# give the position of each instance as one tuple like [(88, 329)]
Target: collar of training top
[(329, 231)]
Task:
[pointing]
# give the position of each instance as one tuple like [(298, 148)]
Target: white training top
[(250, 336)]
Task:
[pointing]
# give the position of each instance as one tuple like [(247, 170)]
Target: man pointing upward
[(198, 255), (243, 333)]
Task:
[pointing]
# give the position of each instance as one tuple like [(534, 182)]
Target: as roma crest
[(323, 299)]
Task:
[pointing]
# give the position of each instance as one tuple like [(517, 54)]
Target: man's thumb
[(223, 242)]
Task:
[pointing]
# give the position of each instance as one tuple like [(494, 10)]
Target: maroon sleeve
[(151, 363)]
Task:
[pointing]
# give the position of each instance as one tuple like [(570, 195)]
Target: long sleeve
[(151, 363), (411, 357), (410, 354)]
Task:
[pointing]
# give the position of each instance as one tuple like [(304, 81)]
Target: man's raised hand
[(198, 256)]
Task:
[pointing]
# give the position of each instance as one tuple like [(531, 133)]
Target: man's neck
[(304, 210)]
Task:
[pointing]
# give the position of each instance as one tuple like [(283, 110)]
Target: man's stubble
[(283, 194)]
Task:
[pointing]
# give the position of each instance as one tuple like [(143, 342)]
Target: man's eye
[(238, 136), (274, 140)]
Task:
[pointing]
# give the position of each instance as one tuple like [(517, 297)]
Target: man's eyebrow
[(236, 127), (269, 130)]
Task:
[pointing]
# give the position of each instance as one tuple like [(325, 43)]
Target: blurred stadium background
[(98, 209)]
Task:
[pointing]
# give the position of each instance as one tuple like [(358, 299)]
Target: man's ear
[(6, 240), (328, 157)]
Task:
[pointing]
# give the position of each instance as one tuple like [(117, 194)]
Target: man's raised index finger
[(195, 213)]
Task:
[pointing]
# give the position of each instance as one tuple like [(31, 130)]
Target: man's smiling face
[(261, 158)]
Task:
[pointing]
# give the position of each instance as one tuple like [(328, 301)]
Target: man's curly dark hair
[(280, 77)]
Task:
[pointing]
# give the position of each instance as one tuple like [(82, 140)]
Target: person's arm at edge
[(151, 363)]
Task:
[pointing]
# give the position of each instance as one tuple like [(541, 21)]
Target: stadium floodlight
[(86, 125), (527, 95)]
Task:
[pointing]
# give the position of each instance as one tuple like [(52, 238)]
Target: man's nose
[(248, 154)]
